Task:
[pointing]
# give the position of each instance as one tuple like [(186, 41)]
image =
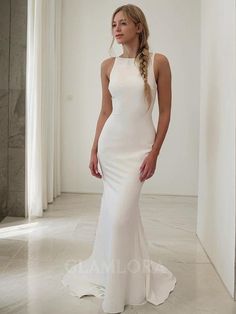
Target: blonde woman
[(125, 148)]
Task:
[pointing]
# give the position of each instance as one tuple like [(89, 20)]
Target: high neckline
[(124, 58), (150, 53)]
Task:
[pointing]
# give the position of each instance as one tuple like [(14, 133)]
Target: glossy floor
[(34, 256)]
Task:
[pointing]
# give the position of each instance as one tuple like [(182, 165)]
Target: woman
[(125, 148)]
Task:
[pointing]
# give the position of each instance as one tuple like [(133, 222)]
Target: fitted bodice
[(130, 119), (127, 87)]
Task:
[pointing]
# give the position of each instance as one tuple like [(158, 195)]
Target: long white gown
[(119, 269)]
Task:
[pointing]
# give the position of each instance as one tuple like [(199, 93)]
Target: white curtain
[(42, 105)]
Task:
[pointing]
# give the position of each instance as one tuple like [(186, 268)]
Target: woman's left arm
[(164, 100), (163, 74)]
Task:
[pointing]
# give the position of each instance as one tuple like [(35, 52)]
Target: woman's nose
[(117, 28)]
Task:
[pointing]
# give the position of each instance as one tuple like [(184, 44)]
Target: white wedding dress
[(119, 269)]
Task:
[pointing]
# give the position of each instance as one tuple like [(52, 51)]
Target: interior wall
[(86, 36), (216, 196)]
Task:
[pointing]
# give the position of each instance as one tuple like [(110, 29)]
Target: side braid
[(144, 60)]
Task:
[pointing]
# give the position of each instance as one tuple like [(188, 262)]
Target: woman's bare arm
[(164, 101), (163, 79), (106, 108)]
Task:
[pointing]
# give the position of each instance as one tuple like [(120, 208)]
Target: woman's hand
[(93, 164), (148, 166)]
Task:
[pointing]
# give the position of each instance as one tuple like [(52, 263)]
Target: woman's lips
[(117, 36)]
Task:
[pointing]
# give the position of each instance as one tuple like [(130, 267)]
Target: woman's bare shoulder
[(160, 58), (160, 62), (107, 64)]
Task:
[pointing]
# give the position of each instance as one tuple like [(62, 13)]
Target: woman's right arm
[(105, 112)]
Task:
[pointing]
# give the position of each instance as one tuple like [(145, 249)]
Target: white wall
[(86, 37), (216, 200)]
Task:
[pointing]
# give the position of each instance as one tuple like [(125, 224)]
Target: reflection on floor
[(34, 256)]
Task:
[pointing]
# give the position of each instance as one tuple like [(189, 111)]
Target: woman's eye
[(121, 23)]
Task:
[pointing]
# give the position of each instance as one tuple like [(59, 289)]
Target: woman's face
[(124, 27)]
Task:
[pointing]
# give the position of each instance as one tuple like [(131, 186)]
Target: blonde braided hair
[(143, 56)]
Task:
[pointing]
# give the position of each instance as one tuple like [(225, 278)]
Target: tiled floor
[(34, 256)]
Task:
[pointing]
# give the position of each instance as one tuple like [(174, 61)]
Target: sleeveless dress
[(119, 269)]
